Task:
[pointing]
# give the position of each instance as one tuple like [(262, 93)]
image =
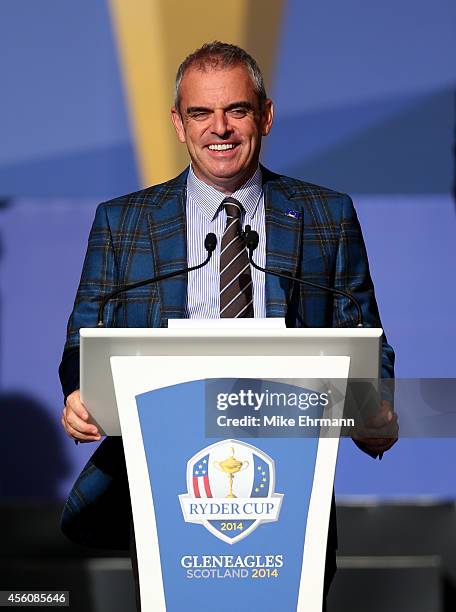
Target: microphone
[(210, 242), (251, 240)]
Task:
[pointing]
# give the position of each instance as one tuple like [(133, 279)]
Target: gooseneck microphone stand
[(210, 242), (251, 240)]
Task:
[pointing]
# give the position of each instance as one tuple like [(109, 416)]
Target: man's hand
[(74, 420), (379, 432)]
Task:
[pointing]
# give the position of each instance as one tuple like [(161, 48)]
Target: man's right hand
[(74, 420)]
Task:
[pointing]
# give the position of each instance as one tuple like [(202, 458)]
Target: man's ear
[(267, 117), (178, 124)]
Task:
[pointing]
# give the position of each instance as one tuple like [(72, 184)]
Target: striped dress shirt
[(205, 214)]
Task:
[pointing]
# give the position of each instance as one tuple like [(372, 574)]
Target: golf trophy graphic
[(231, 466)]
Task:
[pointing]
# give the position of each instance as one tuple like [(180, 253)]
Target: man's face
[(221, 123)]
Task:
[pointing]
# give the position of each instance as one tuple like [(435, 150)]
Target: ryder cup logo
[(230, 490)]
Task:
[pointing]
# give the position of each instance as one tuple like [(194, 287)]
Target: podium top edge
[(314, 332)]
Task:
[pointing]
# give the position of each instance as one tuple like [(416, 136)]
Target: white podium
[(230, 440)]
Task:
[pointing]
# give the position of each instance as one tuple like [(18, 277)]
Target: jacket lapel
[(283, 242), (168, 234)]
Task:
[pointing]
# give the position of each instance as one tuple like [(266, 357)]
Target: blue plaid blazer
[(311, 232)]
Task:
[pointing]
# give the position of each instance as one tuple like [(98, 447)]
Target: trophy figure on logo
[(231, 466)]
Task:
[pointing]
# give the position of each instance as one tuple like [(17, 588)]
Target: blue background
[(364, 99)]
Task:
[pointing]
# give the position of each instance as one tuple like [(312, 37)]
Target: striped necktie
[(235, 278)]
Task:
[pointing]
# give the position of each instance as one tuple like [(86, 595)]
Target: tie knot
[(233, 208)]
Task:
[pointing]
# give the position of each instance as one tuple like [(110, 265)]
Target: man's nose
[(220, 123)]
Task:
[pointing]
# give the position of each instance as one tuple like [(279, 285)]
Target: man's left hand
[(379, 432)]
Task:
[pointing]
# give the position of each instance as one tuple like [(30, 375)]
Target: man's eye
[(199, 115), (238, 113)]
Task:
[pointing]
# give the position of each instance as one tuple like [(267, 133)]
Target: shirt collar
[(208, 199)]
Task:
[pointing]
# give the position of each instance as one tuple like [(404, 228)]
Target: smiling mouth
[(221, 147)]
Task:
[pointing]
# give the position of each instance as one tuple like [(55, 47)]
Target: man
[(221, 113)]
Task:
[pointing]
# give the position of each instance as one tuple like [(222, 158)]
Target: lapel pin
[(294, 214)]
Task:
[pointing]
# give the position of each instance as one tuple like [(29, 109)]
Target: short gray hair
[(218, 56)]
